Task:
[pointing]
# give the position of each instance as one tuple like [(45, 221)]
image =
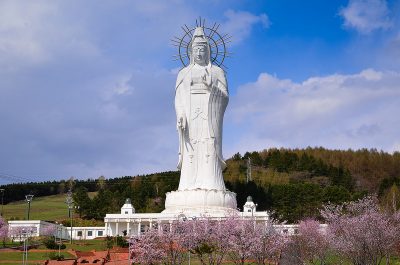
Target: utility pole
[(2, 201), (248, 175), (29, 198), (69, 201), (26, 233)]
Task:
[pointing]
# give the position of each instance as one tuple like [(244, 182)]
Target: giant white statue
[(201, 97)]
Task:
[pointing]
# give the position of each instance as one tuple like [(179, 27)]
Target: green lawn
[(31, 255), (42, 208), (332, 260), (87, 245)]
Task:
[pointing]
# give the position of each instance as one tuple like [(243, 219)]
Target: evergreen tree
[(82, 200)]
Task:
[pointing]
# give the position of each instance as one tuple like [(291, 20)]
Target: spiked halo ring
[(217, 42)]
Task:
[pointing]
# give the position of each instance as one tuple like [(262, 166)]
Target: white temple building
[(129, 223), (126, 223)]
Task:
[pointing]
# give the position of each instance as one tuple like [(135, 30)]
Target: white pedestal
[(200, 202)]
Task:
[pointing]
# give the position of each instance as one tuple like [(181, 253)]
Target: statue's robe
[(217, 98)]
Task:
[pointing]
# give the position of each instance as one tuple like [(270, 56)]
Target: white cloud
[(336, 111), (240, 23), (84, 89), (34, 32), (366, 16)]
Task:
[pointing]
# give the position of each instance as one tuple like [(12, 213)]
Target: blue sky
[(87, 87)]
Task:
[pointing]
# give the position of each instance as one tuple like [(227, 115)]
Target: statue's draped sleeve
[(217, 104), (180, 112), (179, 107)]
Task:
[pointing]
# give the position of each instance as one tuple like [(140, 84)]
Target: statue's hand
[(181, 124), (207, 80)]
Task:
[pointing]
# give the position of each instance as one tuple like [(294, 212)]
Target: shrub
[(55, 256), (51, 244), (121, 242)]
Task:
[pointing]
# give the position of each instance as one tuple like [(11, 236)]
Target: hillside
[(293, 183), (367, 168), (50, 208)]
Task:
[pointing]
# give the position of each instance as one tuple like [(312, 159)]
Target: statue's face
[(199, 54)]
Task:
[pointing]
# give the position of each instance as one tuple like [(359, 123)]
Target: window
[(126, 212), (249, 210), (90, 233), (99, 233), (79, 233)]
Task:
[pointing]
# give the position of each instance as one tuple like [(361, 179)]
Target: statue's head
[(199, 48)]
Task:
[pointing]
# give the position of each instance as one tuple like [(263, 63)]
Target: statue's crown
[(199, 37)]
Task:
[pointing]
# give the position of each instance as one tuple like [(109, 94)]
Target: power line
[(13, 177)]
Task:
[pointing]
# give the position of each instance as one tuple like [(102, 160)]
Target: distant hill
[(50, 208), (293, 183), (368, 168)]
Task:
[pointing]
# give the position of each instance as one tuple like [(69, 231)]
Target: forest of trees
[(292, 183)]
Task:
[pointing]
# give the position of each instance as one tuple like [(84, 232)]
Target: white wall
[(82, 233)]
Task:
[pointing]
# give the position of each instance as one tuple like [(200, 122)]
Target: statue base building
[(197, 201), (182, 205)]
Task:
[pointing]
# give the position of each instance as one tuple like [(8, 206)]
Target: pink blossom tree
[(147, 249), (21, 232), (268, 243), (360, 232), (49, 230), (210, 240), (311, 242), (175, 242), (167, 244), (3, 230), (242, 236)]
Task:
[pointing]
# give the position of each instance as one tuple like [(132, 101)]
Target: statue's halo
[(217, 42)]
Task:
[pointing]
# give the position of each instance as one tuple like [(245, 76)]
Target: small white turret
[(127, 208), (249, 206)]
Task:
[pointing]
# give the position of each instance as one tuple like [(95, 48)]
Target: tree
[(268, 244), (242, 235), (147, 249), (71, 183), (21, 231), (109, 242), (176, 239), (210, 241), (81, 198), (360, 232), (391, 199), (237, 157), (61, 187), (311, 242), (101, 183), (49, 230), (102, 204), (3, 230)]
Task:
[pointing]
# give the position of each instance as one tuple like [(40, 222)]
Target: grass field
[(87, 245), (31, 255), (42, 208)]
